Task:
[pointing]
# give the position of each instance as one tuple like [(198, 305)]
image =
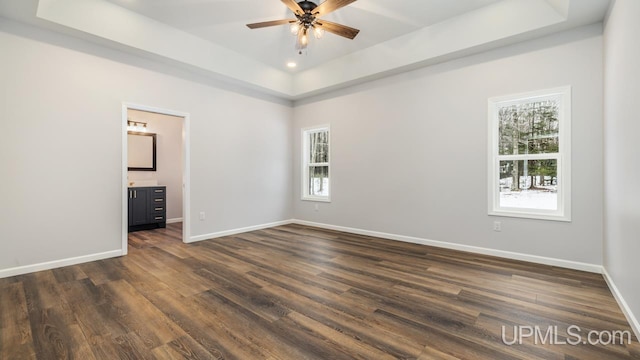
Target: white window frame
[(563, 157), (305, 163)]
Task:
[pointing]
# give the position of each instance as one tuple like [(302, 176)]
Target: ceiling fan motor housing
[(307, 6), (308, 18)]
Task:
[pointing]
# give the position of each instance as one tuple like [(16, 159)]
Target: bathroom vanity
[(147, 207)]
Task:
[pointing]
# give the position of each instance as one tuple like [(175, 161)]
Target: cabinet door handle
[(130, 196), (159, 209), (159, 190), (159, 200), (135, 194), (159, 218)]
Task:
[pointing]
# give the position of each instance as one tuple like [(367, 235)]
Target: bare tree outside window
[(529, 147), (529, 128), (316, 154)]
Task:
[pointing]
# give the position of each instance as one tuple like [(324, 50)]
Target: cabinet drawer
[(159, 209), (158, 200)]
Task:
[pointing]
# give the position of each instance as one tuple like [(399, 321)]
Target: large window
[(315, 155), (529, 155)]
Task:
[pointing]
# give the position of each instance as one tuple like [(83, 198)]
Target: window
[(529, 155), (315, 155)]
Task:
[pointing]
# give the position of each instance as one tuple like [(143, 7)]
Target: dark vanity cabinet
[(147, 207)]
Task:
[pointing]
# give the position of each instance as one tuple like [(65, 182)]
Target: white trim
[(173, 221), (460, 247), (441, 244), (238, 231), (563, 156), (633, 321), (626, 310), (318, 198), (186, 178), (58, 263), (186, 169), (518, 213), (305, 166), (124, 247)]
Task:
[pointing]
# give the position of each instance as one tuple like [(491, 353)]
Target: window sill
[(316, 199), (530, 215)]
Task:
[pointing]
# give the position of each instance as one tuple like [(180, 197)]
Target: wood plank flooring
[(296, 292)]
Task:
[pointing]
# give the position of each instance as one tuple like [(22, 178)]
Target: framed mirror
[(141, 153)]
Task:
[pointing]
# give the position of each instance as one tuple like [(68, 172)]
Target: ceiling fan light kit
[(308, 20)]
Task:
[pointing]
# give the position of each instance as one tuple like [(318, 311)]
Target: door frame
[(186, 166)]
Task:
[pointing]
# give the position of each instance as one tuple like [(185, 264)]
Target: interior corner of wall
[(560, 6)]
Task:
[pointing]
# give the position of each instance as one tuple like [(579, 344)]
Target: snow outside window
[(315, 154), (529, 155)]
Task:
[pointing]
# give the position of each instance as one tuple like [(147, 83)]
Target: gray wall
[(410, 151), (622, 166), (61, 146)]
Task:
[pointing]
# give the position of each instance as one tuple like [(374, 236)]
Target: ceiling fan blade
[(270, 23), (293, 6), (329, 6), (342, 30)]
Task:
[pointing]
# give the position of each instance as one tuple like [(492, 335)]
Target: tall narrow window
[(315, 154), (529, 155)]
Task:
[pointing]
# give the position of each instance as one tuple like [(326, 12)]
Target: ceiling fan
[(308, 20)]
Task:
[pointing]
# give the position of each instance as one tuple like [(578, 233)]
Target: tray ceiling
[(210, 36)]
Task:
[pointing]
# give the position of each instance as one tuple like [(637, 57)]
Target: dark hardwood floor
[(295, 292)]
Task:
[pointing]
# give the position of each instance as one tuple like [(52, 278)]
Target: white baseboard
[(633, 321), (626, 310), (58, 263), (474, 249), (176, 220), (237, 231)]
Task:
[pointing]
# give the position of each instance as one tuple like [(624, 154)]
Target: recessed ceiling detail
[(210, 36)]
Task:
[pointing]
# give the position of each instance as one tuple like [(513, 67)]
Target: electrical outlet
[(201, 215), (497, 226)]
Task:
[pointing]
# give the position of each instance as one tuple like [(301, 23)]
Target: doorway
[(172, 168)]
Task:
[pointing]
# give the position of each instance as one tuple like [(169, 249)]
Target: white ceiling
[(223, 22), (210, 38)]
